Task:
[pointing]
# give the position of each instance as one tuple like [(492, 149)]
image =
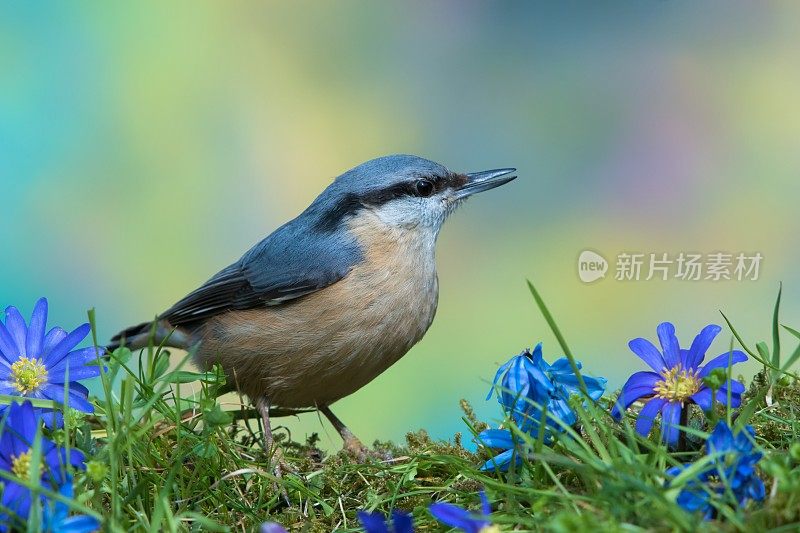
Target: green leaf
[(745, 414), (763, 350), (206, 450), (160, 367), (122, 354), (217, 417), (776, 337), (796, 355), (185, 376)]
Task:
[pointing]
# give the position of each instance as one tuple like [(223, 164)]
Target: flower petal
[(669, 344), (745, 439), (755, 489), (373, 522), (16, 498), (496, 438), (721, 361), (8, 348), (486, 507), (272, 527), (51, 340), (7, 388), (648, 415), (735, 386), (703, 398), (701, 344), (500, 462), (402, 522), (66, 345), (736, 398), (56, 461), (563, 366), (670, 419), (18, 330), (454, 516), (35, 338), (77, 366), (499, 374), (22, 423), (75, 399), (86, 524), (721, 439), (596, 387), (638, 385), (648, 353)]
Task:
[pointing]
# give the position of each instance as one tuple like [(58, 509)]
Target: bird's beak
[(483, 181)]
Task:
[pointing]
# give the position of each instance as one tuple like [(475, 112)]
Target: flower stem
[(684, 422)]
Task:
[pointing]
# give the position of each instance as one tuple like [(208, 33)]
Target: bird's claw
[(354, 448)]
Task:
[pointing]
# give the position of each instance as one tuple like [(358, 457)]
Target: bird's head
[(403, 191)]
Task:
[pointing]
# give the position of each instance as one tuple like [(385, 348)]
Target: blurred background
[(144, 147)]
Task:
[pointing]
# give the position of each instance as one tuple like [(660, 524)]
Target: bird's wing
[(287, 265)]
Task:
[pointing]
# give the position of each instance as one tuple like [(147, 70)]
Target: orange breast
[(330, 343)]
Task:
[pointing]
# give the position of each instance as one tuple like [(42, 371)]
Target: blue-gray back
[(304, 255)]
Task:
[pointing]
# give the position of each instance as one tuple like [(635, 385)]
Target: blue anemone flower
[(733, 465), (677, 380), (18, 430), (467, 521), (376, 523), (35, 363), (527, 381), (56, 517)]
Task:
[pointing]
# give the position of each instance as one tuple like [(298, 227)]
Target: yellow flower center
[(28, 374), (21, 465), (490, 529), (678, 384)]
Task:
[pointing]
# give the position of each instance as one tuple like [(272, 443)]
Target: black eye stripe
[(351, 203), (406, 188)]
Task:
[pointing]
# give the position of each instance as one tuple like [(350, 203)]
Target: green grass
[(166, 457)]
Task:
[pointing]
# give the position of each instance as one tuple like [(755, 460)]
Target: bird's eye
[(424, 188)]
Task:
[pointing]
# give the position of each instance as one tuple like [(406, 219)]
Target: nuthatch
[(331, 299)]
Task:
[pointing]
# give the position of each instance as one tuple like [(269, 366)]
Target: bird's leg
[(262, 405), (351, 443)]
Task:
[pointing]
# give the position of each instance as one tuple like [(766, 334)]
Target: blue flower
[(19, 427), (565, 380), (509, 446), (737, 459), (455, 516), (45, 365), (376, 523), (733, 465), (527, 381), (272, 527), (677, 380), (56, 517)]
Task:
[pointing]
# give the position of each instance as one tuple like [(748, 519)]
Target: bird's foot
[(279, 466), (354, 448)]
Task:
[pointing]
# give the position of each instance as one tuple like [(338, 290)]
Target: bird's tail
[(155, 333)]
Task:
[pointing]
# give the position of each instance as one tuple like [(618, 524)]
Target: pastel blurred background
[(144, 147)]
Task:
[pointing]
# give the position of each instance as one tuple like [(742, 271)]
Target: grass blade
[(559, 337)]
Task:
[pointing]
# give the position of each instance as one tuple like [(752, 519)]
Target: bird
[(331, 299)]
